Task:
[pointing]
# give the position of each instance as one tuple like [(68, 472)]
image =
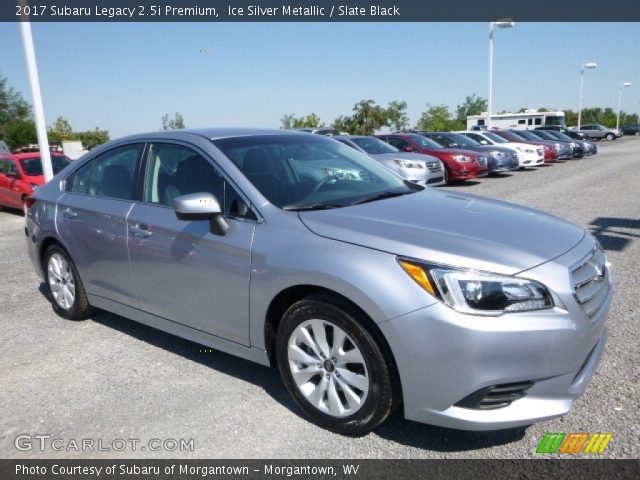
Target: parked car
[(321, 131), (459, 164), (588, 148), (528, 155), (550, 154), (576, 150), (415, 167), (563, 151), (366, 291), (631, 129), (562, 129), (21, 174), (4, 150), (500, 159), (598, 132)]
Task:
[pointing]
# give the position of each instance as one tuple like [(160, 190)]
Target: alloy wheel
[(328, 368), (61, 281)]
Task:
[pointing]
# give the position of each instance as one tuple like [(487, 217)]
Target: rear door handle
[(140, 230), (69, 213)]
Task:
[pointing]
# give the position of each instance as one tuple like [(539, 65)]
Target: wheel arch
[(290, 295)]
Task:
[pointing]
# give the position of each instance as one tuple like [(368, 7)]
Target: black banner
[(317, 11), (316, 469)]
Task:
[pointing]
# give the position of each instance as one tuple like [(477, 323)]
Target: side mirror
[(201, 206), (484, 142)]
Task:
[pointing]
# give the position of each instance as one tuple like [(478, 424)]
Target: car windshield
[(304, 172), (543, 135), (454, 140), (33, 166), (554, 120), (374, 146), (424, 141), (526, 135), (495, 138)]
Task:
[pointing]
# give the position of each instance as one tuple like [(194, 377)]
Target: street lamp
[(492, 27), (622, 85), (586, 65)]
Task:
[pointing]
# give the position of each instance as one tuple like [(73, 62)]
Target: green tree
[(60, 130), (472, 105), (13, 109), (92, 138), (367, 118), (437, 118), (176, 123), (289, 121), (343, 123), (397, 115), (20, 132)]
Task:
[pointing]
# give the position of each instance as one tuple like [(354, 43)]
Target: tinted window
[(398, 143), (538, 121), (110, 174), (175, 170), (33, 166), (374, 145), (521, 122)]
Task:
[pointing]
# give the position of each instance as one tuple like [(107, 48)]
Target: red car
[(21, 173), (459, 164), (550, 155)]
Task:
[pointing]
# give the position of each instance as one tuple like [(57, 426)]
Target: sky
[(123, 77)]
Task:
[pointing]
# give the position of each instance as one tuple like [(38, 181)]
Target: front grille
[(591, 285), (434, 166), (495, 396), (435, 180)]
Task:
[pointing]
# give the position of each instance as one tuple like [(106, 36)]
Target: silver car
[(414, 167), (291, 249)]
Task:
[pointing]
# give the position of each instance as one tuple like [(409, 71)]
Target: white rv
[(527, 120)]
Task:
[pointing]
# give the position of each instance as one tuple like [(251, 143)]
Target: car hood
[(405, 156), (449, 228)]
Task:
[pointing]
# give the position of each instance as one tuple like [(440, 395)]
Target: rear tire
[(333, 367), (65, 289)]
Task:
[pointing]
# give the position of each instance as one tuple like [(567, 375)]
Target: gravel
[(109, 378)]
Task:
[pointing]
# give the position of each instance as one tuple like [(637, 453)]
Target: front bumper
[(444, 356)]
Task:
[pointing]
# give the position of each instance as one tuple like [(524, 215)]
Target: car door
[(91, 220), (182, 271), (10, 179)]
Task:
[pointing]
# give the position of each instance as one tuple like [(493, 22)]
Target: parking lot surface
[(109, 378)]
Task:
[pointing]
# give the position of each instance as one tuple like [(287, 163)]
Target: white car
[(528, 155)]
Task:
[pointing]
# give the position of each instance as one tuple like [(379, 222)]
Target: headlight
[(496, 153), (461, 158), (408, 164), (479, 293)]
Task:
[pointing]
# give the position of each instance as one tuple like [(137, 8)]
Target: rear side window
[(110, 174)]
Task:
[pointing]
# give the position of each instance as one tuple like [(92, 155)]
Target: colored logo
[(574, 443)]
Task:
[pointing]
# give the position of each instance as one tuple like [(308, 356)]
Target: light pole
[(622, 85), (586, 65), (492, 27)]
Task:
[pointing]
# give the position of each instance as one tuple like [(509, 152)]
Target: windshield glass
[(33, 166), (541, 135), (304, 171), (454, 140), (526, 135), (495, 138), (374, 146), (554, 120), (424, 141)]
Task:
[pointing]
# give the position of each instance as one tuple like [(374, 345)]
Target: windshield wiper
[(379, 196), (311, 206)]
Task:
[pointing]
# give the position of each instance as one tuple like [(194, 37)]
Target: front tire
[(333, 367), (610, 136), (66, 292)]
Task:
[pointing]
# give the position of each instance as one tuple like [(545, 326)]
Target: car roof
[(24, 155), (212, 133)]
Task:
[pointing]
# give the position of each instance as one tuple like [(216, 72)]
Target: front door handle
[(69, 213), (140, 230)]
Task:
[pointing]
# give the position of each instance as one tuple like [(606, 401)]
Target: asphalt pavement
[(109, 380)]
